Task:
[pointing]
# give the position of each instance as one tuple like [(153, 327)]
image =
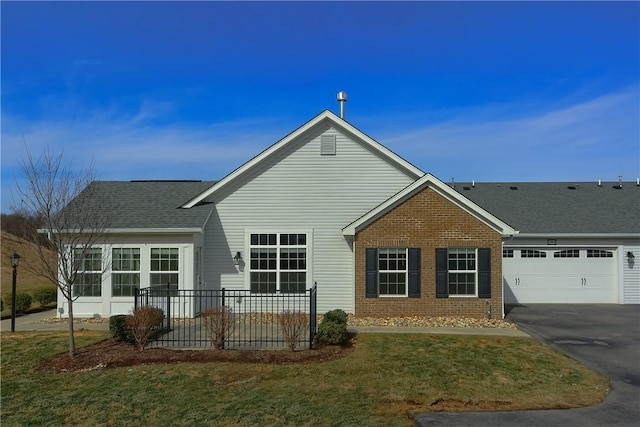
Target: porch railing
[(253, 319)]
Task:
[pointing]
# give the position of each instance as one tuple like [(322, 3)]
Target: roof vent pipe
[(342, 99), (620, 181), (599, 183)]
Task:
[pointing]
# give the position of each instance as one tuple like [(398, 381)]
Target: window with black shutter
[(392, 272), (463, 272)]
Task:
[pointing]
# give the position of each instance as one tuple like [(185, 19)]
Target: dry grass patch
[(384, 380)]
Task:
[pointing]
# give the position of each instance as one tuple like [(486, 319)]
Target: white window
[(392, 271), (164, 269), (89, 280), (125, 272), (532, 253), (597, 253), (278, 262), (567, 253), (507, 253), (462, 271)]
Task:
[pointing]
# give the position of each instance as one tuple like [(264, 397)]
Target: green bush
[(118, 328), (333, 328), (332, 333), (45, 295), (23, 301), (335, 316)]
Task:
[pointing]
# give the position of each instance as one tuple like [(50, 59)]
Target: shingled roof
[(560, 207), (147, 205)]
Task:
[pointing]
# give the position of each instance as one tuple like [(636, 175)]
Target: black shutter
[(442, 274), (371, 260), (484, 273), (414, 272)]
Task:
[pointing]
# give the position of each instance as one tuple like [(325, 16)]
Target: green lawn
[(382, 382)]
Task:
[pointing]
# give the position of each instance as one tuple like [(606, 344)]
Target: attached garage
[(576, 242), (560, 275)]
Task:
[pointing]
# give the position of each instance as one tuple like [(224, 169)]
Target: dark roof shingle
[(560, 207), (150, 204)]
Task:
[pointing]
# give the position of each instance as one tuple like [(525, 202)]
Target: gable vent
[(328, 145)]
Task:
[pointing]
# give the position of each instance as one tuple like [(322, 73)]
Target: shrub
[(45, 295), (294, 326), (219, 324), (333, 328), (332, 333), (142, 322), (335, 316), (118, 328), (23, 301)]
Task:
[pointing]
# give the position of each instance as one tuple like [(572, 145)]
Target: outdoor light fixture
[(237, 258), (15, 260), (630, 255)]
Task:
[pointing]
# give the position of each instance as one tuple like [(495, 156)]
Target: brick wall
[(428, 221)]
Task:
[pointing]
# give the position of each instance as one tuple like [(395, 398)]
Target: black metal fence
[(250, 320)]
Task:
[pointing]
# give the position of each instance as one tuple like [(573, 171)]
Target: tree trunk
[(72, 342)]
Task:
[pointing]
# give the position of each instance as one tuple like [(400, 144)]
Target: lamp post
[(15, 260)]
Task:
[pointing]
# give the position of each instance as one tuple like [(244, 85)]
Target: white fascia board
[(325, 115), (186, 230), (581, 235), (441, 188)]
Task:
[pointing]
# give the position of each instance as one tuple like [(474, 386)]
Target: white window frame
[(151, 271), (567, 253), (397, 270), (465, 271), (599, 253), (81, 271), (115, 272), (278, 249), (532, 253)]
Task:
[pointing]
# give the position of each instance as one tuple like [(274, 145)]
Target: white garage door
[(559, 275)]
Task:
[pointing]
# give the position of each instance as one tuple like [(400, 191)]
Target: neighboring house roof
[(150, 206), (583, 208), (322, 118), (441, 188)]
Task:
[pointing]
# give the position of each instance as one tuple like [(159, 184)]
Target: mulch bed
[(112, 353)]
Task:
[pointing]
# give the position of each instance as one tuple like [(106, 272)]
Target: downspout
[(502, 302)]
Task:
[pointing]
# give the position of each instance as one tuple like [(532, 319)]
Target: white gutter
[(580, 235), (188, 230)]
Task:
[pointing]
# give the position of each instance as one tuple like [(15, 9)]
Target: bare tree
[(67, 205)]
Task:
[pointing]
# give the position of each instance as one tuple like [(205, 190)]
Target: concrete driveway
[(604, 337)]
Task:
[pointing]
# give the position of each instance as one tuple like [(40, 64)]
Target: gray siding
[(297, 190)]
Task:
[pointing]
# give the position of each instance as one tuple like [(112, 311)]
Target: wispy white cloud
[(592, 139), (131, 146), (596, 138)]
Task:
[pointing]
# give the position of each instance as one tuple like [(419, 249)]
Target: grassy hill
[(27, 280)]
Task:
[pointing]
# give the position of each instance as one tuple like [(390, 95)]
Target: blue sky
[(505, 91)]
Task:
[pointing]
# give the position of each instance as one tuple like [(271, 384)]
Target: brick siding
[(428, 221)]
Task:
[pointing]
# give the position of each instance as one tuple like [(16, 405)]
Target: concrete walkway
[(441, 331), (38, 322)]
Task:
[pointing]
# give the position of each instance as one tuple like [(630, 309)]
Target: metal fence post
[(312, 313), (168, 305), (225, 313)]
